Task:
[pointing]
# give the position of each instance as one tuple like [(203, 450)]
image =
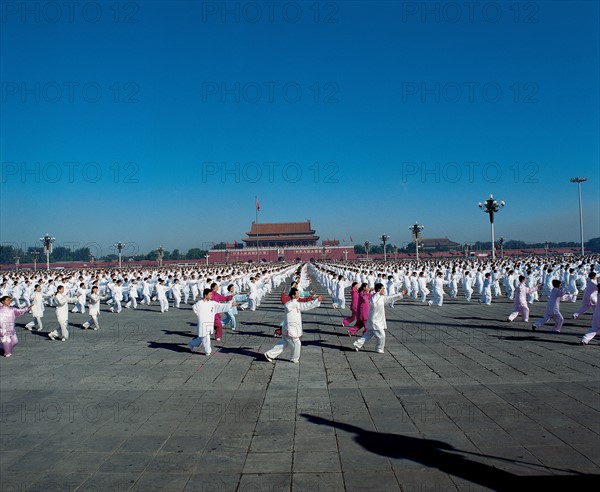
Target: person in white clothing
[(553, 307), (292, 328), (595, 324), (205, 310), (161, 295), (61, 301), (94, 308), (37, 309), (590, 296)]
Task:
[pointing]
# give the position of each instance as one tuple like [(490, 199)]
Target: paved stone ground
[(460, 400)]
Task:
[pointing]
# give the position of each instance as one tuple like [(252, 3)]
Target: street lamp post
[(119, 245), (17, 261), (345, 255), (546, 248), (367, 248), (384, 238), (160, 252), (416, 232), (580, 180), (34, 255), (501, 242), (47, 240), (491, 206), (207, 257)]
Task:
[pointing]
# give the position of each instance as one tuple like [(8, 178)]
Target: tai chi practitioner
[(438, 289), (509, 285), (61, 301), (520, 303), (176, 290), (423, 290), (285, 298), (377, 323), (94, 308), (496, 284), (133, 295), (229, 316), (194, 288), (362, 310), (590, 296), (8, 335), (146, 291), (161, 295), (353, 305), (553, 307), (205, 309), (467, 284), (454, 283), (218, 298), (595, 323), (340, 292), (252, 294), (292, 329), (117, 297), (80, 302), (37, 309), (486, 290), (572, 279)]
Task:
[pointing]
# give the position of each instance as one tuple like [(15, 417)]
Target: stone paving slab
[(460, 400)]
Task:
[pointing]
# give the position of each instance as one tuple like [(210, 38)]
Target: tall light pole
[(160, 252), (34, 255), (384, 237), (17, 261), (501, 242), (546, 248), (579, 181), (491, 206), (416, 233), (367, 248), (47, 241), (119, 245)]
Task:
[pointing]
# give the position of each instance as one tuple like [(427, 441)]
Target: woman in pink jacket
[(353, 305), (8, 336), (362, 310), (520, 303)]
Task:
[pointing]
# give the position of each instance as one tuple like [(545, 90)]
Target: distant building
[(439, 243), (281, 234)]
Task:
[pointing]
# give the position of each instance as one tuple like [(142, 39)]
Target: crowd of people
[(217, 292)]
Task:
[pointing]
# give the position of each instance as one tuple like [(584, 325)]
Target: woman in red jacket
[(362, 310), (353, 305)]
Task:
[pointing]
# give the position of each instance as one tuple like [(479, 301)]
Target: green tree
[(593, 245), (195, 254)]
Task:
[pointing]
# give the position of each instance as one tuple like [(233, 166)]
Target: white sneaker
[(53, 335), (268, 358), (356, 347), (380, 351), (29, 326), (86, 325)]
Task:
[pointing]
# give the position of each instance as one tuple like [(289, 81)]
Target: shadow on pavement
[(444, 457)]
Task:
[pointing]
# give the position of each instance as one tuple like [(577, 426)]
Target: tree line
[(9, 253)]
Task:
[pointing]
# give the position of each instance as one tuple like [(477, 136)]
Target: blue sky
[(157, 123)]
